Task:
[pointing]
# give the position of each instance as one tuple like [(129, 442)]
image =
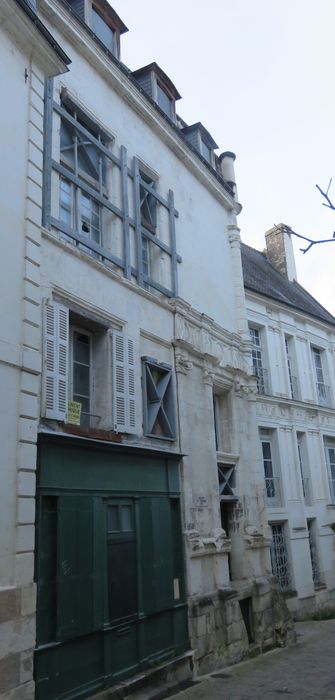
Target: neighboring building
[(126, 377), (293, 343)]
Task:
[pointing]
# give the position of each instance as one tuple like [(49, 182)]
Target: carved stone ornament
[(208, 377), (183, 364), (199, 338), (218, 541)]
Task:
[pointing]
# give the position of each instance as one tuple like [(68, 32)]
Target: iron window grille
[(279, 557), (115, 223), (158, 400), (317, 579)]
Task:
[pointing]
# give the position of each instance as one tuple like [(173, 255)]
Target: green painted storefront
[(109, 565)]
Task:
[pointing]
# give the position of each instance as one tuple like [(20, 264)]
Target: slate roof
[(262, 277)]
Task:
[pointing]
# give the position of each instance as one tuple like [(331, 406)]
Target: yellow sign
[(73, 412)]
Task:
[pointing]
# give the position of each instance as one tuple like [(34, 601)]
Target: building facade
[(126, 367), (293, 360)]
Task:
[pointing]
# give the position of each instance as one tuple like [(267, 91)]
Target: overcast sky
[(259, 75)]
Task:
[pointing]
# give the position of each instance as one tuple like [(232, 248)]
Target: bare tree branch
[(329, 204), (310, 241)]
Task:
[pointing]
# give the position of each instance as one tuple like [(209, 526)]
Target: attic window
[(206, 151), (163, 101), (103, 31)]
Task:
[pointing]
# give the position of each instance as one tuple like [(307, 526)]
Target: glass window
[(102, 30), (318, 364), (257, 362), (78, 209), (148, 203), (271, 470), (81, 373), (330, 459), (163, 101), (206, 152)]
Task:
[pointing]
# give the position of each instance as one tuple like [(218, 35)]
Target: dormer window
[(159, 87), (103, 31), (198, 137), (103, 21), (206, 152), (164, 101)]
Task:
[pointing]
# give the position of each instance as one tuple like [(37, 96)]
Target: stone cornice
[(28, 36), (200, 335)]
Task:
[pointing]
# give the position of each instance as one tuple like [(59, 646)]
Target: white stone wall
[(286, 418)]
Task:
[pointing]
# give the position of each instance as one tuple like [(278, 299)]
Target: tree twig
[(329, 203), (310, 241)]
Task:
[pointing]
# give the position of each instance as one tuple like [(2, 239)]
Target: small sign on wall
[(73, 412), (176, 591)]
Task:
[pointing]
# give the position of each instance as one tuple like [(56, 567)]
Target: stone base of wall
[(219, 635), (305, 608), (17, 642)]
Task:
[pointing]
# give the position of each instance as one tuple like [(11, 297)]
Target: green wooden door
[(109, 570)]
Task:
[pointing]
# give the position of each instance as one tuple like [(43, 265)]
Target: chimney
[(279, 250), (228, 171)]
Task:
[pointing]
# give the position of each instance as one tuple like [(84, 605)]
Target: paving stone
[(303, 671)]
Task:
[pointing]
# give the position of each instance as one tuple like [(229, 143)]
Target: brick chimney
[(279, 250)]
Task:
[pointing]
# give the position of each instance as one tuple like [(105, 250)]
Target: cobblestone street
[(305, 671)]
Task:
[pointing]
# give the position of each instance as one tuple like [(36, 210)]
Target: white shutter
[(123, 371), (131, 386), (55, 361)]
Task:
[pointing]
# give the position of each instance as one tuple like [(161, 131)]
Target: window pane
[(164, 101), (122, 580), (65, 201), (113, 518), (81, 380), (81, 348), (102, 30), (206, 152), (266, 450), (85, 404), (126, 518)]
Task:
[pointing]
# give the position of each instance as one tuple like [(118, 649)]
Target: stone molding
[(201, 336)]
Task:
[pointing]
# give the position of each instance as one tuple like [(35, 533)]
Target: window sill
[(96, 433)]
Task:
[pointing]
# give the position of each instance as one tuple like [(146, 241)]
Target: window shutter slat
[(119, 383), (123, 371), (55, 361), (131, 386)]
